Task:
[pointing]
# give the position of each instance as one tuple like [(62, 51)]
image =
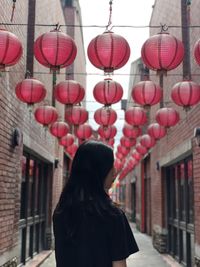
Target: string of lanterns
[(162, 52), (108, 52)]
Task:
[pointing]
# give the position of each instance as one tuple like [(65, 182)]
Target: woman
[(90, 231)]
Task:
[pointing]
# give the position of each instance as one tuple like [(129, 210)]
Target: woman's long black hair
[(85, 189)]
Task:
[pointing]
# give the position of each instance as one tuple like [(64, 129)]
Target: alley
[(146, 257), (98, 99)]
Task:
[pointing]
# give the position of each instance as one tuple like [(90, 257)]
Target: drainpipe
[(30, 36), (185, 19), (142, 199)]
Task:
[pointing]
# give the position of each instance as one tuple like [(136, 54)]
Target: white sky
[(125, 12)]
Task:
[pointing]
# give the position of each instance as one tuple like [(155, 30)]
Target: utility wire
[(98, 74), (98, 26)]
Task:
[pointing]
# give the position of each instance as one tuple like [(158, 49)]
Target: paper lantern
[(156, 131), (84, 131), (167, 117), (105, 116), (108, 51), (185, 94), (59, 129), (10, 49), (147, 93), (131, 131), (162, 52), (55, 50), (69, 92), (127, 142), (135, 116), (67, 140), (147, 141), (108, 92), (46, 115), (30, 91), (76, 115), (107, 132)]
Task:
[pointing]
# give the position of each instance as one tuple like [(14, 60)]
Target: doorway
[(180, 211), (33, 207), (133, 202)]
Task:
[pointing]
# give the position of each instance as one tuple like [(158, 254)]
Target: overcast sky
[(125, 13)]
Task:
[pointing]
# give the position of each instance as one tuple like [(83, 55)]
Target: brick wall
[(73, 17), (179, 140), (168, 12), (13, 114)]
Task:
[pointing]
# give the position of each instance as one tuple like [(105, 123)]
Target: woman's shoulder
[(118, 210)]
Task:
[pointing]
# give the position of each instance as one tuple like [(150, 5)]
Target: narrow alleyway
[(146, 257)]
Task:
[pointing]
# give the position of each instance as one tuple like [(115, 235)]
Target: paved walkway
[(146, 257)]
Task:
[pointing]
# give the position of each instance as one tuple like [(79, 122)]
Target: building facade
[(168, 177), (32, 172)]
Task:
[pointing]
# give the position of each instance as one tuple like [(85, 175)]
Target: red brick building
[(31, 174), (162, 193)]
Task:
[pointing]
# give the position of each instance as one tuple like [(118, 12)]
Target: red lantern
[(59, 129), (136, 155), (118, 164), (130, 131), (167, 117), (46, 115), (121, 176), (132, 162), (147, 93), (55, 50), (105, 116), (127, 142), (135, 116), (30, 91), (123, 150), (141, 149), (10, 49), (107, 132), (84, 131), (162, 52), (156, 131), (108, 92), (109, 142), (69, 92), (67, 140), (108, 51), (147, 141), (197, 51), (71, 149), (119, 155), (76, 115), (186, 94)]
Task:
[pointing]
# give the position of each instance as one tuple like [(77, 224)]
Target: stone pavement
[(146, 257)]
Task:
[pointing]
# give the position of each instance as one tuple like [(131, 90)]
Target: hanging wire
[(98, 26), (27, 74), (164, 28), (99, 74), (13, 10), (110, 15), (57, 27)]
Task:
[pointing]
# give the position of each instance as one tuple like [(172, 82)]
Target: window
[(68, 3)]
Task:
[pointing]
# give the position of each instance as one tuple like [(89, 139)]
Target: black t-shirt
[(97, 242)]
